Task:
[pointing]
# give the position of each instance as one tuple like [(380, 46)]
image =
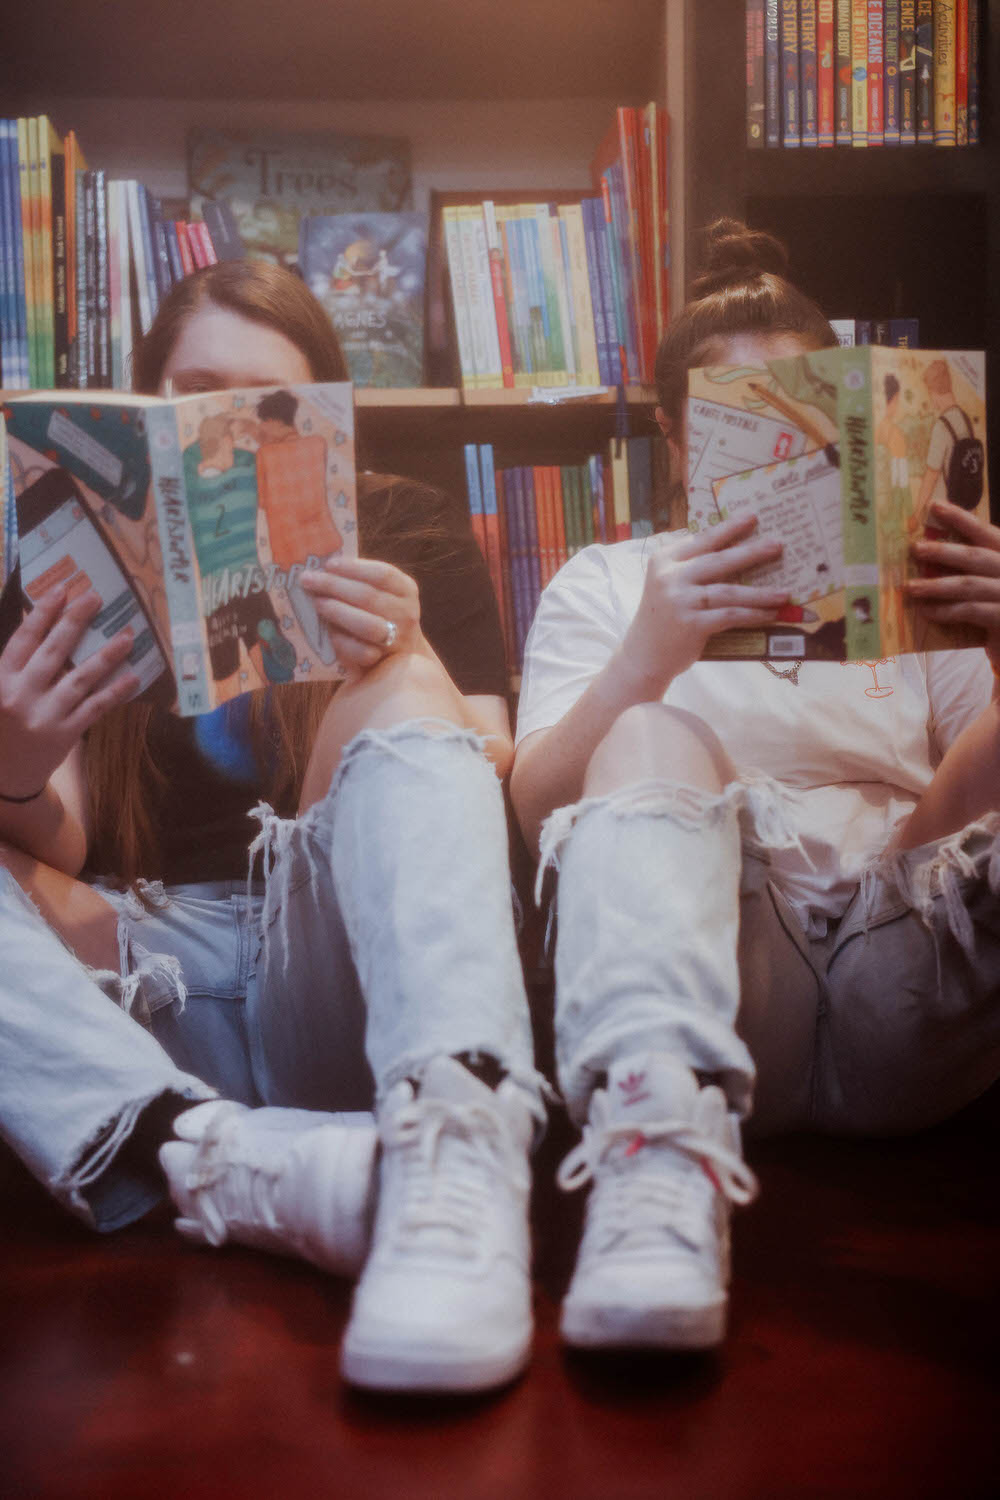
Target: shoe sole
[(384, 1369), (643, 1328)]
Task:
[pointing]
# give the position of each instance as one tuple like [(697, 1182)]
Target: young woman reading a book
[(372, 964), (765, 871)]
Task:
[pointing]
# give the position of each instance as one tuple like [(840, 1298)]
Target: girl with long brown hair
[(372, 960), (765, 871)]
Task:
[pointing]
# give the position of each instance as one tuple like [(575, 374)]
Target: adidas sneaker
[(664, 1160)]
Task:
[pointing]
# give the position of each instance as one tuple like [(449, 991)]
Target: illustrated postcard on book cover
[(840, 454), (194, 520)]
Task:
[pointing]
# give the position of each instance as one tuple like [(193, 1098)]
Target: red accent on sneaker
[(710, 1173), (633, 1089), (636, 1144)]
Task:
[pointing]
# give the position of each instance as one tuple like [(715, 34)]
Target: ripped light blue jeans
[(673, 936), (381, 936)]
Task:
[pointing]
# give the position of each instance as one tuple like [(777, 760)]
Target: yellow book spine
[(583, 308), (859, 73), (944, 73)]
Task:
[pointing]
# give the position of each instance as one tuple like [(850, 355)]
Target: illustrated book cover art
[(840, 455), (273, 179), (368, 272), (194, 520)]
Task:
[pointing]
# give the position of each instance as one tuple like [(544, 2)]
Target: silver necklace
[(790, 674)]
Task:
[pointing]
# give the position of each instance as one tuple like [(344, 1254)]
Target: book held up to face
[(840, 454), (193, 519)]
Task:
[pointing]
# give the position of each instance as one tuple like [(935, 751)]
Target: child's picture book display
[(839, 454), (193, 519), (367, 269)]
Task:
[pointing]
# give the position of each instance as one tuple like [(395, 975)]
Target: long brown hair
[(120, 768), (743, 288)]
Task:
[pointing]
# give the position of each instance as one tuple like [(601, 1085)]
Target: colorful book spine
[(583, 302), (27, 246), (610, 281), (50, 167), (876, 72), (859, 72), (184, 246), (662, 243), (474, 496), (962, 72), (117, 288), (975, 50), (755, 73), (494, 248), (772, 73), (791, 121), (491, 524), (479, 289), (944, 73), (524, 341), (174, 251), (808, 74), (137, 242), (80, 342), (90, 273), (624, 263), (75, 162), (843, 82), (907, 73), (891, 86), (925, 72), (8, 364), (825, 72), (459, 295), (102, 299), (593, 226)]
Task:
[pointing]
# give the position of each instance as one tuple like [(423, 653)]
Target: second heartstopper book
[(840, 455), (193, 519)]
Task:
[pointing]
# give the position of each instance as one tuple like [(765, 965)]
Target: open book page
[(194, 520)]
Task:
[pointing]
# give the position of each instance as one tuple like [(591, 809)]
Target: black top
[(211, 778)]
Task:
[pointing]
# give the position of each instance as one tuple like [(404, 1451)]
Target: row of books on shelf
[(529, 519), (568, 293), (863, 72), (84, 261), (893, 333)]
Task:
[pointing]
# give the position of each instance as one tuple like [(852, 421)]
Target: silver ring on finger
[(391, 632)]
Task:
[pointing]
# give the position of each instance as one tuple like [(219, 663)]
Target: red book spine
[(962, 72), (825, 57), (184, 246), (208, 255)]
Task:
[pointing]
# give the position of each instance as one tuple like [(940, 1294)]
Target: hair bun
[(735, 255)]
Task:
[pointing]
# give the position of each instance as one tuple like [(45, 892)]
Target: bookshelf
[(892, 230)]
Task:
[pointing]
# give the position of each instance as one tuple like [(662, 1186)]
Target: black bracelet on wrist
[(31, 797)]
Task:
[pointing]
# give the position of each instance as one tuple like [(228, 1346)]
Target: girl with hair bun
[(776, 889)]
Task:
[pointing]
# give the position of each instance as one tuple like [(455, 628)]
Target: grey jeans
[(382, 936)]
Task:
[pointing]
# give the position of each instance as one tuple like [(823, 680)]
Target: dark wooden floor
[(862, 1361)]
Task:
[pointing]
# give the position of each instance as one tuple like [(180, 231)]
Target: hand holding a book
[(692, 591), (44, 708), (967, 588), (370, 608)]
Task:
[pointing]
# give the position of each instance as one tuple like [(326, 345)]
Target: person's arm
[(44, 713), (688, 595)]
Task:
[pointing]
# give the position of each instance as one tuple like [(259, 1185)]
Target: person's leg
[(911, 1031), (402, 848), (88, 1094), (647, 997)]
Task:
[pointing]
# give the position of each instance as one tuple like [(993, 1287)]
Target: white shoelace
[(454, 1152), (637, 1197), (213, 1160)]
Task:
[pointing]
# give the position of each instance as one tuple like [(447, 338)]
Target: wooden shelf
[(843, 171)]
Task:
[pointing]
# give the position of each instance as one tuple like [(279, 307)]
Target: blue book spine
[(174, 251), (772, 75), (158, 240), (21, 306), (890, 84), (791, 125), (899, 333), (609, 291), (975, 53), (473, 492), (514, 516), (605, 367), (912, 333), (8, 329), (808, 74), (623, 263), (520, 281)]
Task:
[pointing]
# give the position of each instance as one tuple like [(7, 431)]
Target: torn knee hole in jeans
[(762, 804), (144, 981)]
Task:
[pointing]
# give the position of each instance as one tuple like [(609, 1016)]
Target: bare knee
[(652, 741)]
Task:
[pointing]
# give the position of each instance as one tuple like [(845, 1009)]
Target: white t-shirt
[(855, 743)]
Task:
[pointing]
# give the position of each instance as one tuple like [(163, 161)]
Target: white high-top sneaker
[(294, 1181), (664, 1159), (444, 1302)]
